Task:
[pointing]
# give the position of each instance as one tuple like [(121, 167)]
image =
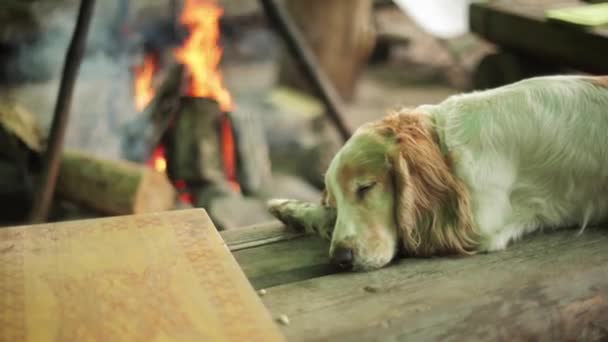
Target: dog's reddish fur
[(432, 206), (599, 81)]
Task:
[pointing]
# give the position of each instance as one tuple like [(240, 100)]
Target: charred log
[(194, 142)]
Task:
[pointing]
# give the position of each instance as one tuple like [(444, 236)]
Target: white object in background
[(441, 18)]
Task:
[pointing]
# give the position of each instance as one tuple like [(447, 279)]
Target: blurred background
[(203, 103)]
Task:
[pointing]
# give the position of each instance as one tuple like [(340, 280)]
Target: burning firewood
[(190, 113), (144, 134), (309, 217), (113, 187), (194, 144)]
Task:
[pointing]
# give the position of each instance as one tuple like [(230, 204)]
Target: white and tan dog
[(472, 173)]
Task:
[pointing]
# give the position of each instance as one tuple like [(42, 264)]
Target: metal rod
[(299, 49), (52, 156)]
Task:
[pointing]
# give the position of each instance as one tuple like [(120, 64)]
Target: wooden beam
[(552, 286), (524, 29), (344, 53), (52, 157), (306, 59)]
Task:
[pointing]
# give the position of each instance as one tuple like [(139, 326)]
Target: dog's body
[(472, 173), (533, 154)]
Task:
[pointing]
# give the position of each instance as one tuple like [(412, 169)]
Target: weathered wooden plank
[(271, 254), (523, 28), (258, 234), (284, 262), (552, 286)]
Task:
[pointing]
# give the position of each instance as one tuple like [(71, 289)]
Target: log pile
[(142, 135), (113, 187), (109, 187)]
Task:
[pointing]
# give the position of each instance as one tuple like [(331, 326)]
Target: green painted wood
[(549, 287), (522, 27)]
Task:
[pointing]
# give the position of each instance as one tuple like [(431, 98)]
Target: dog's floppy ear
[(432, 208), (405, 215)]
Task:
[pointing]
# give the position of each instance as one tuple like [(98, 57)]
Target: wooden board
[(549, 287), (271, 254), (282, 263), (258, 235), (162, 276), (522, 27)]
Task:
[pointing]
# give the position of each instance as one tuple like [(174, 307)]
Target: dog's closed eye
[(363, 189)]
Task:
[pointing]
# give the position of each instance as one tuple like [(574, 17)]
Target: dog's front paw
[(288, 212), (304, 216)]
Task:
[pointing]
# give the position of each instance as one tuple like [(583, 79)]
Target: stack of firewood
[(109, 187)]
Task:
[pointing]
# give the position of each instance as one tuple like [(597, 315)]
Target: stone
[(254, 167), (301, 139), (210, 192), (283, 319), (232, 212), (289, 186)]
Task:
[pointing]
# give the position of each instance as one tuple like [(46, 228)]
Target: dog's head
[(394, 190)]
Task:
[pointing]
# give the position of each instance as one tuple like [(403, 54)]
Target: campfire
[(201, 52), (144, 75), (168, 134), (202, 93)]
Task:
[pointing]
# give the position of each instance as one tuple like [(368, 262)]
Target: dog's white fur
[(532, 154)]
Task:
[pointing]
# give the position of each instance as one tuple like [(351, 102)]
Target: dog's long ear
[(432, 207), (405, 213)]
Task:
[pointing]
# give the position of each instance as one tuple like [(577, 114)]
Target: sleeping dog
[(468, 175)]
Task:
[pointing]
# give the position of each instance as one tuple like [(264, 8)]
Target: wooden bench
[(551, 286), (532, 45)]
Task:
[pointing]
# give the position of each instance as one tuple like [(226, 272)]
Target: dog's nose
[(343, 258)]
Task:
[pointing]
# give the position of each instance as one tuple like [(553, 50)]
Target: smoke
[(102, 102)]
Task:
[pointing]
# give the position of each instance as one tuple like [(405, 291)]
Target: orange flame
[(201, 52), (158, 160), (144, 92), (229, 152)]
